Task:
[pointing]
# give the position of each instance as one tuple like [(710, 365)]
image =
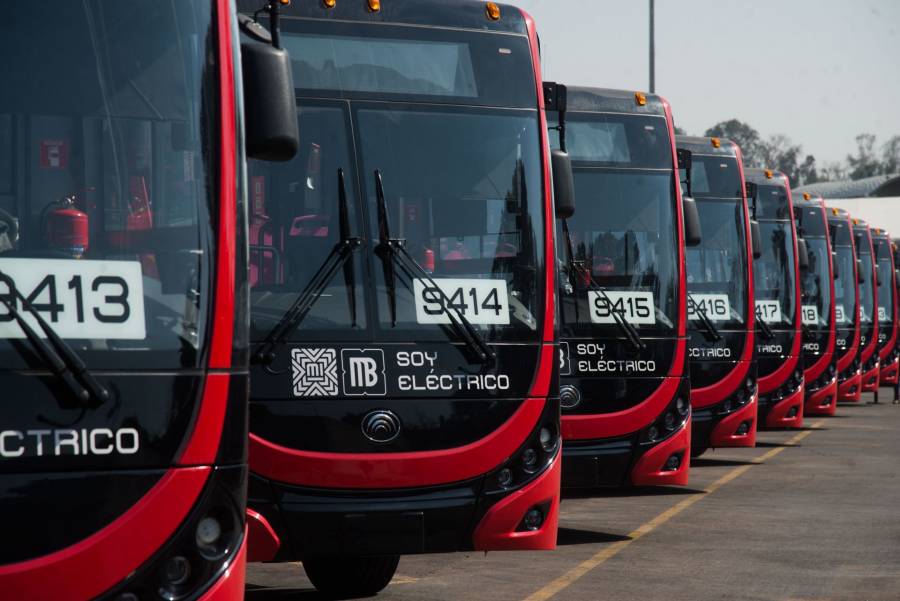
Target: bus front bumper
[(822, 401), (783, 413)]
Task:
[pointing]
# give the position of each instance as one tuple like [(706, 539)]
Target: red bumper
[(870, 379), (778, 414), (822, 401), (262, 541), (231, 585), (649, 469), (888, 374), (724, 434), (497, 529), (850, 390)]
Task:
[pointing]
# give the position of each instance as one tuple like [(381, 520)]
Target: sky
[(817, 71)]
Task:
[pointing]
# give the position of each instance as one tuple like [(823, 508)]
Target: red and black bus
[(846, 304), (868, 306), (624, 385), (720, 301), (817, 306), (776, 285), (887, 307), (404, 394), (123, 434)]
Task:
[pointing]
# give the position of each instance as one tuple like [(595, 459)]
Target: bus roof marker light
[(807, 196), (716, 142), (329, 3), (834, 211), (492, 10), (374, 6), (769, 173), (640, 98)]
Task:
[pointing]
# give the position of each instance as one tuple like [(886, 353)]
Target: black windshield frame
[(842, 243), (864, 249), (886, 289), (651, 164), (148, 82)]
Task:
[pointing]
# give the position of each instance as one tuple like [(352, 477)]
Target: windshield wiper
[(338, 257), (710, 331), (764, 327), (57, 355), (392, 252), (630, 332)]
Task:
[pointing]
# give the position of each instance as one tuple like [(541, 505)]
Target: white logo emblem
[(314, 372), (363, 372)]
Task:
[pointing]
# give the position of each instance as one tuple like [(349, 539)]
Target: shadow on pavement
[(258, 593), (574, 536), (709, 462), (627, 491)]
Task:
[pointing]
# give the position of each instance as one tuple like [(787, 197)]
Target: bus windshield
[(773, 275), (717, 268), (107, 163), (461, 182), (885, 282), (866, 289), (815, 281), (845, 285), (623, 234)]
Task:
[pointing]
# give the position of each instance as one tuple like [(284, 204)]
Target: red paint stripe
[(207, 435), (223, 319), (395, 470), (95, 564)]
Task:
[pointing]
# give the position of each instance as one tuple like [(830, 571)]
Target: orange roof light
[(284, 2), (855, 221), (716, 142), (807, 196), (835, 212), (374, 6), (768, 173), (329, 3), (640, 98), (492, 10)]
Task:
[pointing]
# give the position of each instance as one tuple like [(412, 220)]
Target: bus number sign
[(78, 299), (716, 306), (810, 315), (479, 301), (768, 311), (635, 306)]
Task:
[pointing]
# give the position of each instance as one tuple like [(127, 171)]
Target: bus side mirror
[(802, 254), (685, 162), (270, 107), (692, 231), (860, 274), (563, 184), (755, 239), (835, 268)]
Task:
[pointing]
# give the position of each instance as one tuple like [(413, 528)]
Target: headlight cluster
[(851, 371), (739, 398), (824, 380), (532, 458), (668, 421), (790, 386), (200, 551), (893, 356)]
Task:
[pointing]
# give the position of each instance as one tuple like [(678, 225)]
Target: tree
[(864, 163), (778, 152), (808, 172), (890, 156), (744, 136)]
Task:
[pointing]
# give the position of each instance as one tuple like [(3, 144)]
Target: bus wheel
[(697, 451), (351, 577)]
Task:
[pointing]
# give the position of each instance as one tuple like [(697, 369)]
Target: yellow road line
[(554, 587)]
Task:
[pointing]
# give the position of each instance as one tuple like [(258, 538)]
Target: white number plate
[(636, 307), (882, 314), (78, 299), (768, 311), (716, 306), (810, 315), (840, 315), (479, 301)]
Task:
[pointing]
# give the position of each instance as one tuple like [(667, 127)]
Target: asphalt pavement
[(807, 515)]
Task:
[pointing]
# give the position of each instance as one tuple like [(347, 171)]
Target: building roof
[(878, 185)]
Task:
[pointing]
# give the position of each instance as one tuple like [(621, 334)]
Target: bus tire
[(350, 577)]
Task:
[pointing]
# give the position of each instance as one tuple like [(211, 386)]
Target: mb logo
[(363, 372)]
